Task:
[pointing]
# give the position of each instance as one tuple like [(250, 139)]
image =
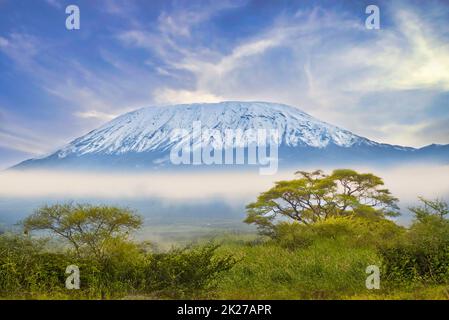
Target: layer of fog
[(406, 182)]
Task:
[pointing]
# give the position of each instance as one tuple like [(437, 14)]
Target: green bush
[(29, 270), (26, 268), (367, 232), (187, 272), (422, 254)]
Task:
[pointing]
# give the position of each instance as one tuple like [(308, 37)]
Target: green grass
[(327, 261), (324, 270)]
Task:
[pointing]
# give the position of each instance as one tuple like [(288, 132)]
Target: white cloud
[(15, 136), (54, 3), (173, 96), (3, 42), (427, 65), (180, 21), (24, 144), (167, 24), (331, 63), (95, 96), (20, 47), (96, 115)]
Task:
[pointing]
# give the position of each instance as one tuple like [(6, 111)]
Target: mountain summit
[(143, 138), (148, 129)]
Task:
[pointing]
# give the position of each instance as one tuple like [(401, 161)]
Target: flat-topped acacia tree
[(316, 196)]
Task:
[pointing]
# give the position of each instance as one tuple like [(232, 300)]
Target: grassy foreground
[(324, 261), (320, 236), (327, 269)]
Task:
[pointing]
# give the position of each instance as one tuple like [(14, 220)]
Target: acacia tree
[(316, 196), (89, 229), (430, 208)]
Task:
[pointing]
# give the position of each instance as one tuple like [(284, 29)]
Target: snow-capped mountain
[(149, 129), (144, 138)]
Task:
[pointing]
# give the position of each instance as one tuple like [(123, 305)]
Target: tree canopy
[(430, 208), (316, 196), (89, 229)]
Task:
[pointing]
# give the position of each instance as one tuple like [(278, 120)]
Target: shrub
[(25, 267), (421, 255), (28, 269), (185, 272), (357, 231)]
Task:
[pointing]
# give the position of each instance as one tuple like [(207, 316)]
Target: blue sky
[(390, 85)]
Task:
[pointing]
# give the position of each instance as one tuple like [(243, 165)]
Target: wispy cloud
[(20, 47), (96, 115), (180, 20), (25, 144), (326, 63), (18, 137), (382, 84), (170, 96), (54, 3)]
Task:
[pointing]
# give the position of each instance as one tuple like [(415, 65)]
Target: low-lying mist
[(233, 188)]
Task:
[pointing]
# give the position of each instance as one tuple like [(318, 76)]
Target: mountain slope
[(144, 138)]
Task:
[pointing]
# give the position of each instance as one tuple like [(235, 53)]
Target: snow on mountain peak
[(149, 129)]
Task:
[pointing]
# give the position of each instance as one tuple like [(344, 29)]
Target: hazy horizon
[(232, 189)]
